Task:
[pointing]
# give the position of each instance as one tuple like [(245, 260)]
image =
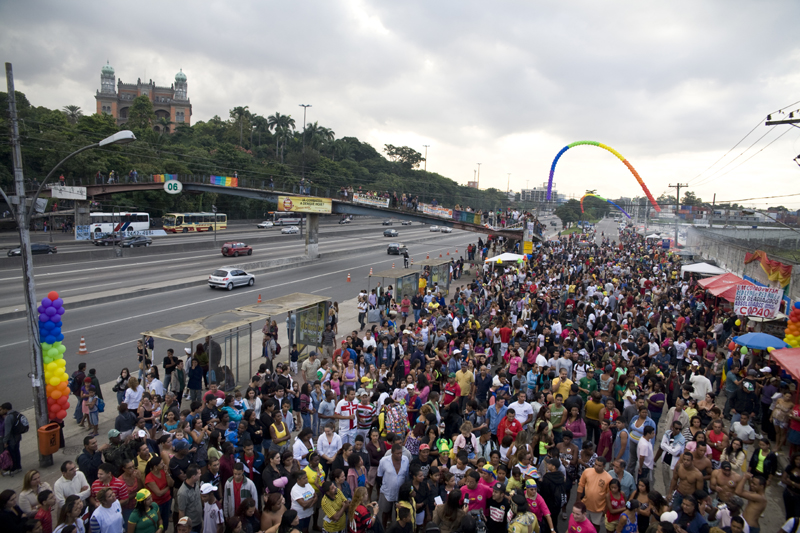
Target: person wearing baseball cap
[(451, 390)]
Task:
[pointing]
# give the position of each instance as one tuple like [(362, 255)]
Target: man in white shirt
[(522, 410), (369, 341), (644, 451), (154, 385), (345, 412), (72, 482), (702, 385)]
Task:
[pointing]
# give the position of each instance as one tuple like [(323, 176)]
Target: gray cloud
[(670, 85)]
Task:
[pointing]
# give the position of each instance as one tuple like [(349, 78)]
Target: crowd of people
[(543, 395)]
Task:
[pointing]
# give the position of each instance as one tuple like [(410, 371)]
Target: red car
[(236, 249)]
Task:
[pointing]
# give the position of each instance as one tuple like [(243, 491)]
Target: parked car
[(236, 249), (229, 278), (290, 229), (264, 225), (396, 248), (108, 239), (390, 233), (139, 240), (405, 223), (346, 220), (36, 249), (387, 222), (446, 229), (553, 223), (435, 228)]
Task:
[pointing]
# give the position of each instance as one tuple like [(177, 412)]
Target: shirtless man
[(702, 462), (685, 480), (724, 481), (757, 502)]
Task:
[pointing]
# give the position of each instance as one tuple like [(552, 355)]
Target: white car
[(445, 229), (290, 229), (265, 224), (435, 228)]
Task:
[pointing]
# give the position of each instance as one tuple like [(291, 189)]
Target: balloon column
[(55, 375), (792, 334)]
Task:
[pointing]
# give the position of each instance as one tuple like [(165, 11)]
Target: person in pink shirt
[(536, 503), (578, 522), (488, 476), (476, 496)]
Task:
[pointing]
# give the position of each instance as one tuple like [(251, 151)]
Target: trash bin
[(49, 440)]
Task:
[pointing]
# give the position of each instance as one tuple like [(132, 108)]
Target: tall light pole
[(479, 177), (425, 168), (304, 106), (18, 206)]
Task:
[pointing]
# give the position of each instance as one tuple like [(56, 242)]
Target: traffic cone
[(370, 271), (348, 277), (428, 256), (456, 250), (440, 256), (412, 260), (392, 265), (448, 252), (82, 347), (259, 299)]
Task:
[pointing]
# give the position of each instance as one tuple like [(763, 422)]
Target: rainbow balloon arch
[(605, 200), (51, 312), (604, 147)]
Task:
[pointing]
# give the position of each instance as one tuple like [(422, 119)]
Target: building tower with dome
[(115, 98)]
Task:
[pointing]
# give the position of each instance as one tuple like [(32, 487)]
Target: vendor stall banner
[(370, 200), (161, 178), (775, 270), (752, 300), (224, 181)]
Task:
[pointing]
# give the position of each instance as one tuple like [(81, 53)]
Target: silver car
[(290, 230), (230, 278), (446, 229), (434, 228)]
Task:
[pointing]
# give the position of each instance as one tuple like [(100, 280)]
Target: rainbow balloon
[(55, 374), (604, 147), (605, 200)]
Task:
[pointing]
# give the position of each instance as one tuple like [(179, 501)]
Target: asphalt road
[(111, 329), (81, 277)]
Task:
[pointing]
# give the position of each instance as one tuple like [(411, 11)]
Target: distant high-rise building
[(115, 98), (537, 195)]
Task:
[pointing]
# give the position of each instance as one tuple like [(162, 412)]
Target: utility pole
[(508, 184), (677, 188), (479, 176), (426, 157), (304, 106), (35, 348), (711, 217)]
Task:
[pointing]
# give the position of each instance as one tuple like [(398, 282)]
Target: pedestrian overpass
[(458, 220)]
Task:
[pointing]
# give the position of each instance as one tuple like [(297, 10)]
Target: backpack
[(101, 405), (396, 421), (277, 348), (74, 384), (20, 424)]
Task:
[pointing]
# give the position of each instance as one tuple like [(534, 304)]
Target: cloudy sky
[(673, 86)]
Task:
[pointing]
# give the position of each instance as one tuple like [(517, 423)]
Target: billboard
[(752, 300), (68, 193), (304, 204), (436, 210), (310, 325)]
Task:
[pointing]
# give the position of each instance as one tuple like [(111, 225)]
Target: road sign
[(213, 209), (173, 186)]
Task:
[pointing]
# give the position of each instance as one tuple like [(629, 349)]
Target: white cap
[(220, 401), (207, 488), (695, 363), (188, 351), (669, 516), (142, 433), (765, 370)]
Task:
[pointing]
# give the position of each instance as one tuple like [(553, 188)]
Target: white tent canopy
[(505, 258), (703, 269), (653, 236)]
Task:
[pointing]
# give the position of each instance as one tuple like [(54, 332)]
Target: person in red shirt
[(508, 426), (476, 495), (106, 479), (451, 390), (606, 438), (44, 515)]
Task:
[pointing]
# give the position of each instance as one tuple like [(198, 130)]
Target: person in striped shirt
[(365, 414)]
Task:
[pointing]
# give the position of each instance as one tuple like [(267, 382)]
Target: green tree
[(141, 115), (570, 211), (689, 198), (239, 115), (73, 113), (283, 126), (163, 124), (404, 155)]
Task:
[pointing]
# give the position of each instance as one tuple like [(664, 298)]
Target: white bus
[(118, 222), (285, 219)]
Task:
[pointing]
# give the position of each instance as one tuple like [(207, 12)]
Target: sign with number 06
[(173, 186)]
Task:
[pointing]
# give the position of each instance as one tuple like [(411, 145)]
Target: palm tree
[(260, 124), (73, 113), (239, 114), (283, 125), (163, 125)]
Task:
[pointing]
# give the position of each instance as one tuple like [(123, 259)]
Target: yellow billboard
[(304, 204)]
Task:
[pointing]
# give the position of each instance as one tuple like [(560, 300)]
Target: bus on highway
[(188, 222), (118, 222), (284, 219)]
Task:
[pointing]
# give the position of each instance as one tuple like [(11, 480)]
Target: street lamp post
[(305, 107), (425, 168), (23, 217)]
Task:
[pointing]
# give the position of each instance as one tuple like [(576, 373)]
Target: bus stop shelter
[(438, 273), (228, 328), (402, 280)]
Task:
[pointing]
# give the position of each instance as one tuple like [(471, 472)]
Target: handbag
[(374, 315)]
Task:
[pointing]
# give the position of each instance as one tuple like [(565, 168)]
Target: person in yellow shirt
[(465, 381), (423, 283), (562, 384), (592, 490)]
